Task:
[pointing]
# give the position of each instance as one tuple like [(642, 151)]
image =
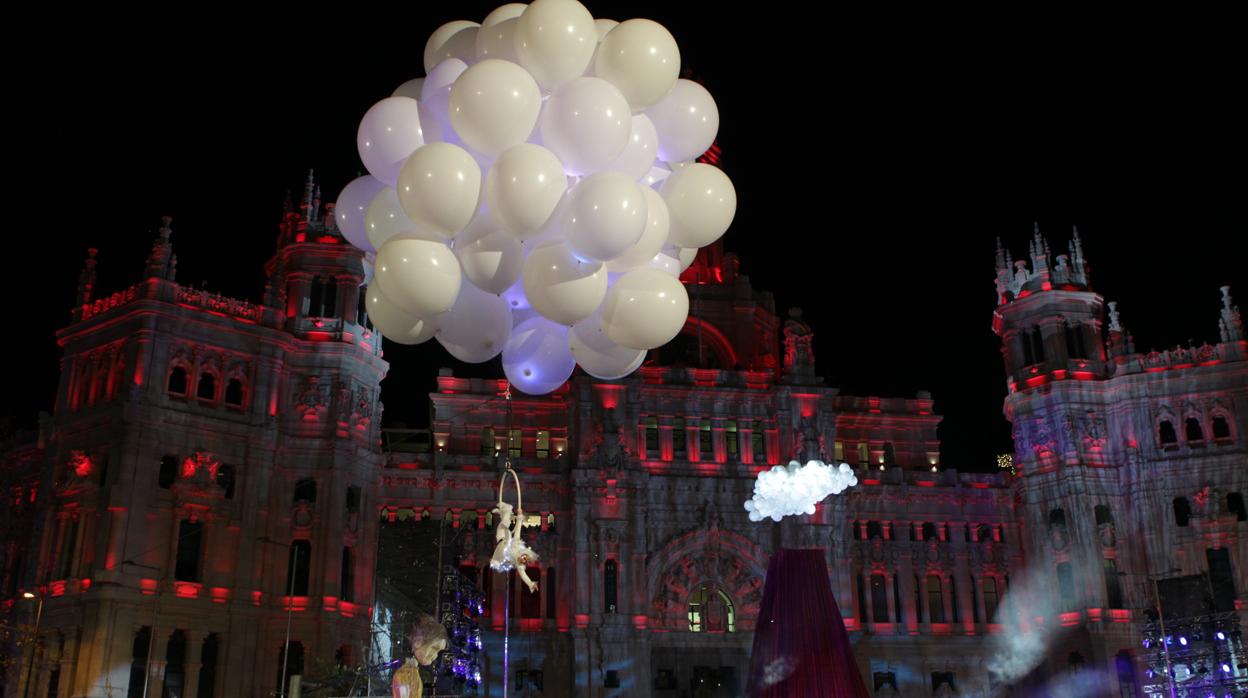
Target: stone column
[(946, 595), (69, 659), (159, 654), (891, 601), (924, 611), (909, 612), (194, 662), (745, 442)]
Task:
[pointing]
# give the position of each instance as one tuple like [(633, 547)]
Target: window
[(1066, 586), (65, 561), (543, 443), (879, 599), (862, 599), (935, 599), (612, 679), (348, 575), (1165, 430), (289, 663), (552, 593), (168, 472), (990, 599), (874, 530), (883, 679), (1113, 584), (1221, 578), (515, 441), (208, 669), (918, 600), (1193, 430), (758, 444), (864, 454), (929, 531), (1182, 511), (652, 437), (190, 542), (1235, 505), (1074, 341), (897, 598), (983, 532), (1221, 428), (353, 500), (299, 563), (974, 602), (609, 600), (953, 600), (941, 679), (305, 491), (225, 479), (488, 448), (234, 393), (177, 381), (207, 388), (175, 663), (730, 439), (531, 601), (329, 300), (890, 456), (704, 441), (678, 436), (1103, 515), (1037, 345), (1057, 518), (838, 450), (710, 610)]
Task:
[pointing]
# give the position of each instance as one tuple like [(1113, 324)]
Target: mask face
[(426, 654)]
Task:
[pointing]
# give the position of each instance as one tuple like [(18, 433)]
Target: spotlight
[(1183, 641), (1226, 668), (1147, 642), (1221, 635)]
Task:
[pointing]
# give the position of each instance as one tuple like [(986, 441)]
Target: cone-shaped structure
[(801, 649)]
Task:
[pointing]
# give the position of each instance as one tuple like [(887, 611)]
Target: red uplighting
[(1083, 375), (926, 483), (1036, 381), (1120, 615), (639, 622), (296, 603), (582, 620), (84, 585), (256, 597), (57, 588), (1070, 619), (186, 590), (530, 624), (147, 586), (348, 609), (220, 594), (870, 482), (331, 603)]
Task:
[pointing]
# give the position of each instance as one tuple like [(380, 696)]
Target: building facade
[(216, 478)]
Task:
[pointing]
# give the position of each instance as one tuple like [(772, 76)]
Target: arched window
[(710, 610), (138, 662), (207, 388), (983, 532), (1165, 432), (305, 491), (299, 564), (990, 598), (879, 599), (531, 602), (234, 393), (177, 381), (935, 599), (208, 668), (1066, 585), (609, 599), (1037, 345), (1103, 515), (1182, 511), (1221, 427), (1057, 519), (1194, 432), (190, 544), (347, 592)]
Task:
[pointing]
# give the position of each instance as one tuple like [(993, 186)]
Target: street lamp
[(34, 644), (290, 606)]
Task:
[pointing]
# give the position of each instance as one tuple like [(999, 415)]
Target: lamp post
[(151, 637), (290, 607), (34, 645)]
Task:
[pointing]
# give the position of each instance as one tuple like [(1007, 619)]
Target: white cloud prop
[(796, 489)]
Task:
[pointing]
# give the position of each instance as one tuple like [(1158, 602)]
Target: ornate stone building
[(215, 471)]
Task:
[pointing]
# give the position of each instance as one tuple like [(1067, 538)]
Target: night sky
[(875, 160)]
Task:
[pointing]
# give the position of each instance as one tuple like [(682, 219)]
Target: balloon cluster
[(796, 489), (536, 194)]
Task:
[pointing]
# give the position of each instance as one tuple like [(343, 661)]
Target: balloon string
[(506, 632)]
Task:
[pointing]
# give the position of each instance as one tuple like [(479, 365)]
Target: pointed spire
[(1231, 322), (162, 251), (1000, 255), (86, 279), (305, 206)]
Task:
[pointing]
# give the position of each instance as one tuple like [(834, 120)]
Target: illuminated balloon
[(686, 121), (502, 13), (395, 324), (494, 105), (490, 258), (411, 89), (606, 216), (645, 309), (537, 359), (349, 210), (641, 58), (389, 132), (456, 39), (561, 287), (499, 41), (421, 277), (653, 237), (637, 158), (439, 188), (597, 354), (586, 124), (476, 328), (701, 202), (523, 189), (555, 40)]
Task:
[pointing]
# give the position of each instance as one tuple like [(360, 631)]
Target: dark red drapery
[(801, 649)]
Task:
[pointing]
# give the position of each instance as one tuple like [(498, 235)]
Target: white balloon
[(643, 146), (536, 359), (421, 277), (410, 89), (494, 106), (388, 133), (686, 120), (477, 327), (499, 41), (456, 39), (686, 257), (654, 178), (435, 95), (645, 309), (524, 187), (597, 354), (652, 238), (701, 201), (395, 324), (349, 210), (586, 124), (604, 27), (606, 216), (489, 257), (439, 188), (502, 13), (561, 287), (556, 40), (384, 218), (665, 262), (641, 58)]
